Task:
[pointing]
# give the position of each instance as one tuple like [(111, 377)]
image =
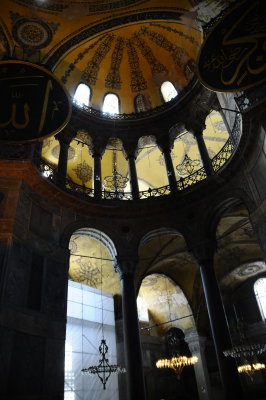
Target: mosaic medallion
[(84, 6), (56, 151), (83, 172), (249, 269), (32, 33)]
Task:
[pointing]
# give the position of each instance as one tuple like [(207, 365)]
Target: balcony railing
[(83, 192)]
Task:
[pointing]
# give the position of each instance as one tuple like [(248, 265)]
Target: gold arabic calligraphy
[(240, 55), (26, 109)]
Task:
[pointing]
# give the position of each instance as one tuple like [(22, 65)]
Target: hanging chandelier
[(188, 166), (177, 363), (247, 353), (116, 182), (103, 370)]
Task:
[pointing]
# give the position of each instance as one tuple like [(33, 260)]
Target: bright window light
[(82, 95), (260, 292), (168, 91), (111, 104)]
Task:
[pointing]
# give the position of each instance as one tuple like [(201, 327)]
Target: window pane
[(168, 91), (82, 94), (260, 292), (111, 104)]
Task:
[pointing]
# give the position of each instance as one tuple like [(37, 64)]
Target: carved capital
[(165, 144), (203, 251), (66, 136), (98, 146), (195, 342), (130, 148), (126, 265)]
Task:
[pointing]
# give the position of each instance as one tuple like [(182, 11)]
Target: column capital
[(196, 128), (97, 149), (165, 144), (126, 265), (130, 149), (203, 251), (65, 137), (195, 342)]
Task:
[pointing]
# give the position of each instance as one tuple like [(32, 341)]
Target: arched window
[(260, 292), (141, 103), (111, 104), (82, 94), (168, 91)]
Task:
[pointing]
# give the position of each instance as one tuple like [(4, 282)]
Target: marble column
[(133, 353), (97, 175), (206, 161), (220, 331), (64, 139), (170, 169), (196, 345), (133, 177)]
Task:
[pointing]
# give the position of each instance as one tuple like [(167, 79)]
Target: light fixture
[(116, 182), (249, 369), (188, 166), (177, 363), (246, 352), (103, 370)]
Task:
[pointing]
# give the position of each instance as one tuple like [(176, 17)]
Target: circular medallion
[(56, 151), (32, 33), (249, 269)]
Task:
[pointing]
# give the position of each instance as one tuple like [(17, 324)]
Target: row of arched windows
[(111, 104)]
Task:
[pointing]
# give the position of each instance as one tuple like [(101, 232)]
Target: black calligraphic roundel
[(233, 55), (33, 103)]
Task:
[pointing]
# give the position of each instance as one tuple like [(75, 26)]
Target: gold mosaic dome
[(130, 53)]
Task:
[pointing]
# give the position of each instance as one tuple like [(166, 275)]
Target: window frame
[(119, 103), (90, 95), (177, 91), (261, 305)]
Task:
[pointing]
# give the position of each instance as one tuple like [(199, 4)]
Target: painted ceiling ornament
[(138, 81), (156, 66), (71, 9), (79, 57), (188, 166), (32, 32), (83, 172), (178, 54), (86, 272), (56, 151), (90, 74), (180, 33), (113, 78)]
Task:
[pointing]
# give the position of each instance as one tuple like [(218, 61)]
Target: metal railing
[(230, 146), (50, 172)]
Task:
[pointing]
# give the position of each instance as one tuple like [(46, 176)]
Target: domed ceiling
[(126, 47)]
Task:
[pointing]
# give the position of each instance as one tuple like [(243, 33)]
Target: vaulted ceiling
[(125, 47)]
